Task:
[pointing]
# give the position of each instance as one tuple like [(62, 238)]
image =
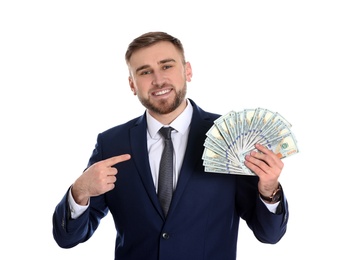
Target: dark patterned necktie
[(165, 183)]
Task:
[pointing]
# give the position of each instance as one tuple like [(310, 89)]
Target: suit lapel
[(200, 124), (138, 139)]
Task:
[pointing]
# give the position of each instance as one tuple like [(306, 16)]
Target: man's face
[(158, 77)]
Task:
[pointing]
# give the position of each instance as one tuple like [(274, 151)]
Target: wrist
[(274, 197), (78, 197)]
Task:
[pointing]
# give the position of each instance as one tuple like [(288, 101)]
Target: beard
[(164, 106)]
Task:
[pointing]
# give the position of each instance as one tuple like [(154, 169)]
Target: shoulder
[(203, 114), (123, 129)]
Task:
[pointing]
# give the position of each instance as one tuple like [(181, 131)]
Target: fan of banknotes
[(235, 134)]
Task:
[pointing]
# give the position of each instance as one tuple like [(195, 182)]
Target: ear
[(188, 71), (133, 89)]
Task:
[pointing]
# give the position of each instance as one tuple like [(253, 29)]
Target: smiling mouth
[(162, 92)]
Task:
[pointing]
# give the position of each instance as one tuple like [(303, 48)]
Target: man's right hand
[(97, 179)]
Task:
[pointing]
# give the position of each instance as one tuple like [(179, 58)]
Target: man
[(123, 172)]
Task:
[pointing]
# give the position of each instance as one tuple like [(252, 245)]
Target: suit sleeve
[(69, 232), (266, 226)]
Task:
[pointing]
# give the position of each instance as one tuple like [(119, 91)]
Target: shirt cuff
[(76, 210), (271, 207)]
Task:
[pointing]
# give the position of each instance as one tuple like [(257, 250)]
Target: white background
[(63, 80)]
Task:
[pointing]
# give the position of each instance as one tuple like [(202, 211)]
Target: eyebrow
[(160, 62)]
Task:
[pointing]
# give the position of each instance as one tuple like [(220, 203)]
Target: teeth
[(162, 92)]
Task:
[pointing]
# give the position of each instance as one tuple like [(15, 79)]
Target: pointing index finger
[(117, 159)]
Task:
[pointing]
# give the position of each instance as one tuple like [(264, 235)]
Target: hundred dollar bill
[(216, 170), (213, 160), (222, 127), (212, 146), (283, 146), (215, 142), (257, 124), (286, 147), (212, 154), (226, 168), (215, 135), (244, 122), (229, 120), (266, 128)]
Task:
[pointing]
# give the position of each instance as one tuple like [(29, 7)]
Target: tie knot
[(166, 132)]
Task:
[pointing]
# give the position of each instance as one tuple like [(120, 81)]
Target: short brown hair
[(150, 38)]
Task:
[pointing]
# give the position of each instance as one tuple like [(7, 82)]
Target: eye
[(165, 67), (145, 72)]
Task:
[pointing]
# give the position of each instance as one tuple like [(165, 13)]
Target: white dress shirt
[(179, 138)]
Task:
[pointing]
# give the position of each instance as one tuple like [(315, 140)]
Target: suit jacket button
[(165, 235)]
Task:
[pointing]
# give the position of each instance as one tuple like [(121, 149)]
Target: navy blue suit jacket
[(203, 219)]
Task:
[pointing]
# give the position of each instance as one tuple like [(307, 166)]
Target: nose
[(158, 79)]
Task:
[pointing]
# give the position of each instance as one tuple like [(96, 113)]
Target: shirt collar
[(180, 124)]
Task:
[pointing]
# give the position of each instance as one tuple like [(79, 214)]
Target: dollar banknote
[(234, 135)]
